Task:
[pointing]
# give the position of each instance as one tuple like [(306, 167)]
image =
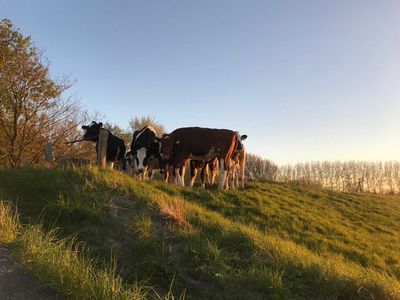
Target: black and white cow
[(115, 146), (145, 150)]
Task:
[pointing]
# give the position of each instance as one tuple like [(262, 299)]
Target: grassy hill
[(268, 241)]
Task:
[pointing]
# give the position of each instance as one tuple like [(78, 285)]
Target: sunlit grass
[(269, 241)]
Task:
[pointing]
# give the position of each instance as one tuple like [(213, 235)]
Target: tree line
[(348, 176)]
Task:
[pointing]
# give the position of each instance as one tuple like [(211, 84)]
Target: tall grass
[(63, 264), (9, 223)]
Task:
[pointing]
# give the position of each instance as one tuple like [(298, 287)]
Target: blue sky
[(305, 80)]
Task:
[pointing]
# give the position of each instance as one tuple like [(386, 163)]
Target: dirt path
[(16, 283)]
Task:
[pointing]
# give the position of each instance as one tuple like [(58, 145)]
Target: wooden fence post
[(48, 155), (102, 148)]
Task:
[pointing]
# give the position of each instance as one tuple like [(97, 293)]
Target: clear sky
[(305, 80)]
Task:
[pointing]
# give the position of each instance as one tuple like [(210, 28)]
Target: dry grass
[(173, 211), (9, 223)]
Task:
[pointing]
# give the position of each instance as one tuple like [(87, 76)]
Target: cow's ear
[(100, 124), (243, 137), (84, 127), (93, 122)]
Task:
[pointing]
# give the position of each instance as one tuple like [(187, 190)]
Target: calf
[(199, 143), (115, 146)]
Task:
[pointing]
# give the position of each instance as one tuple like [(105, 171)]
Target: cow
[(238, 163), (199, 143), (145, 150), (211, 166), (115, 145), (129, 166)]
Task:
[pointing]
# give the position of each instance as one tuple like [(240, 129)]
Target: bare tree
[(258, 168)]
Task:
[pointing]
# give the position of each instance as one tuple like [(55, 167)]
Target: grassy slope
[(267, 241)]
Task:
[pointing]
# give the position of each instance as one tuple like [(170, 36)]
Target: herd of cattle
[(205, 148)]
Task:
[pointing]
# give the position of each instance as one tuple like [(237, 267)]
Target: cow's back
[(200, 141)]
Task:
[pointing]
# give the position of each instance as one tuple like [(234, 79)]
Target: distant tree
[(138, 123), (258, 168), (32, 110)]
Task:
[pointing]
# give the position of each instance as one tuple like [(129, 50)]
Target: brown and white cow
[(199, 143), (238, 164)]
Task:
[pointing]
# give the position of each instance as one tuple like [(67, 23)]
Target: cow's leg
[(171, 174), (166, 174), (234, 175), (242, 170), (183, 174), (228, 166), (203, 174), (177, 176), (193, 173), (111, 165), (222, 174), (214, 171), (213, 175), (206, 174), (237, 173)]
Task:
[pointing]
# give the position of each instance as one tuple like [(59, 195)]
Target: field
[(268, 241)]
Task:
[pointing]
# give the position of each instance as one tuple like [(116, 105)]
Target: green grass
[(268, 241), (64, 264)]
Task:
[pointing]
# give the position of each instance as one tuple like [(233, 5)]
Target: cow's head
[(92, 131), (241, 138), (142, 158), (167, 144)]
